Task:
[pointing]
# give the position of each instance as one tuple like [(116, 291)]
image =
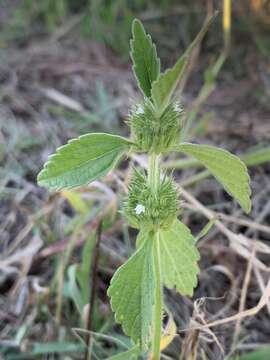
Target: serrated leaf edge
[(247, 191), (195, 261), (43, 181), (150, 41), (118, 318)]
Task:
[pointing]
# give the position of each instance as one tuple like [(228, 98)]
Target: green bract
[(166, 254)]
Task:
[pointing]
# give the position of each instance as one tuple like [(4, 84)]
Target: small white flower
[(177, 107), (139, 110), (139, 209)]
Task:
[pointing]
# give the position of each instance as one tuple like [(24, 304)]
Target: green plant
[(165, 248)]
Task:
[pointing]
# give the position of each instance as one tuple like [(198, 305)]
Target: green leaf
[(82, 160), (83, 272), (226, 167), (57, 348), (142, 236), (132, 294), (146, 64), (131, 354), (164, 87), (179, 258), (260, 354), (71, 289), (257, 156), (167, 82)]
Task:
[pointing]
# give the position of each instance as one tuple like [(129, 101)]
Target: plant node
[(145, 208), (153, 133)]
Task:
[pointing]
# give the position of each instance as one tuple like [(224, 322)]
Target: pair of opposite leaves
[(92, 156)]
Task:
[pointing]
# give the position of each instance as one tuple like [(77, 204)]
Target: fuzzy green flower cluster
[(147, 209), (153, 132)]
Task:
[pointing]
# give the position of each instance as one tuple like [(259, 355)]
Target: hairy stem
[(154, 180), (158, 313), (154, 172)]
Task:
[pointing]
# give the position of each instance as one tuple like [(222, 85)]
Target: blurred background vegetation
[(64, 71)]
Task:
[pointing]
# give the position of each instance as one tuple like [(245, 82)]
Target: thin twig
[(261, 284), (244, 293), (235, 220), (250, 312)]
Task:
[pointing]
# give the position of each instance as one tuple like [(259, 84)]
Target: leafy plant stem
[(157, 321), (166, 253)]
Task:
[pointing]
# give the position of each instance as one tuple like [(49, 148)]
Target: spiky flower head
[(152, 132), (144, 208)]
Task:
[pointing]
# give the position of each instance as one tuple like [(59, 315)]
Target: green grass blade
[(257, 156), (262, 354)]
